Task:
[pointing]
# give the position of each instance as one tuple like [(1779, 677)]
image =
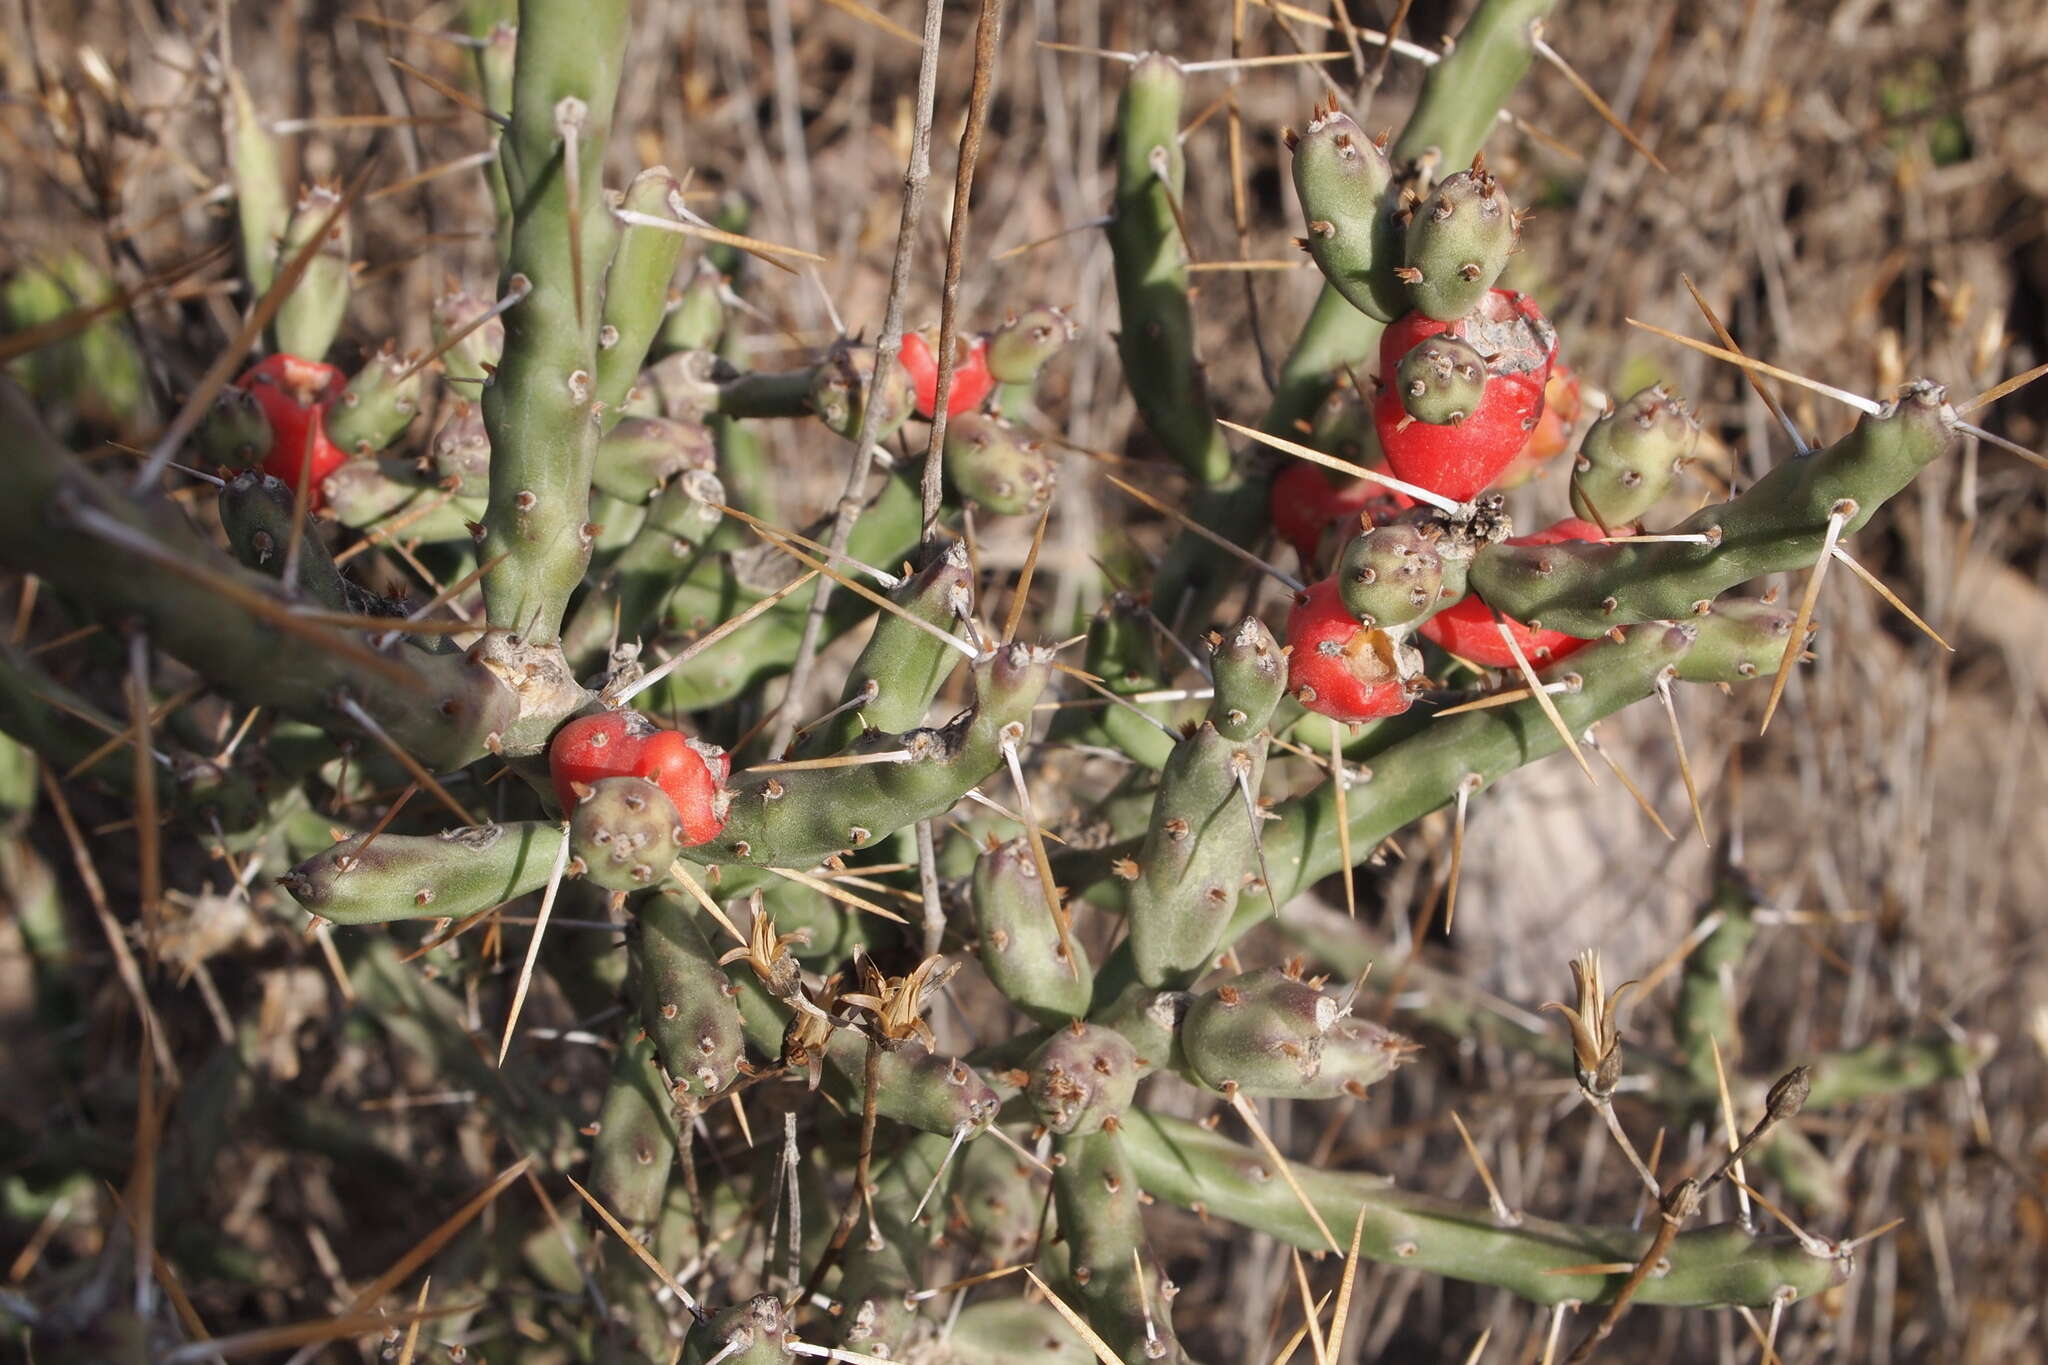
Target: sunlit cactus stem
[(542, 406)]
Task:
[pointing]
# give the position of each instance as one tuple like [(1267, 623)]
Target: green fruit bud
[(1441, 381), (1459, 241)]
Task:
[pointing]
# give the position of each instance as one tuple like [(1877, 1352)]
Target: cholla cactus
[(574, 728)]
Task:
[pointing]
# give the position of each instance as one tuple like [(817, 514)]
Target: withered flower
[(809, 1031), (896, 1003), (1595, 1025), (767, 953)]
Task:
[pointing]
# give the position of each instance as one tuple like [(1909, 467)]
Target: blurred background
[(1860, 190)]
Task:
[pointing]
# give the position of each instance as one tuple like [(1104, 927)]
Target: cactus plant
[(573, 726)]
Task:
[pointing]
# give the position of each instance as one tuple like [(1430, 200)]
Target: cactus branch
[(1780, 523), (1187, 1165), (144, 562), (541, 407)]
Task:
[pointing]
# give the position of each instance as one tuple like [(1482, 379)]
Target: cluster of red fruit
[(296, 394), (690, 772), (1463, 407), (627, 744)]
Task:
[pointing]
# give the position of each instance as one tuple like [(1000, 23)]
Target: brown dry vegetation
[(1860, 188)]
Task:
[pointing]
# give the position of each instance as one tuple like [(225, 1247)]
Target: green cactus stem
[(1893, 1066), (1157, 341), (1344, 181), (1097, 1188), (493, 22), (876, 1315), (634, 586), (1020, 944), (998, 1331), (1462, 95), (687, 1004), (994, 465), (144, 563), (1776, 525), (901, 668), (635, 1150), (642, 454), (1188, 1165), (362, 880), (1082, 1079), (256, 511), (310, 317), (1202, 844), (636, 289), (1630, 456), (798, 818), (234, 433), (1738, 638), (379, 403), (1260, 1034), (1441, 381), (696, 316), (1122, 650), (381, 495), (1018, 352), (262, 202), (479, 345), (541, 406), (1392, 575), (1459, 241), (624, 834), (717, 587)]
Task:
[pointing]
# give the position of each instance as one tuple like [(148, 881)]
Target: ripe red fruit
[(1467, 627), (1462, 460), (972, 382), (295, 394), (1563, 405), (1338, 667), (1304, 504), (627, 744)]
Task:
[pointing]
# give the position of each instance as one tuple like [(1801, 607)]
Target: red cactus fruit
[(1563, 406), (1463, 459), (627, 744), (972, 382), (1304, 504), (1338, 667), (1467, 629), (295, 394)]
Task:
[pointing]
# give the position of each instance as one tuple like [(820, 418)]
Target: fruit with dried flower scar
[(1341, 668), (1461, 459)]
